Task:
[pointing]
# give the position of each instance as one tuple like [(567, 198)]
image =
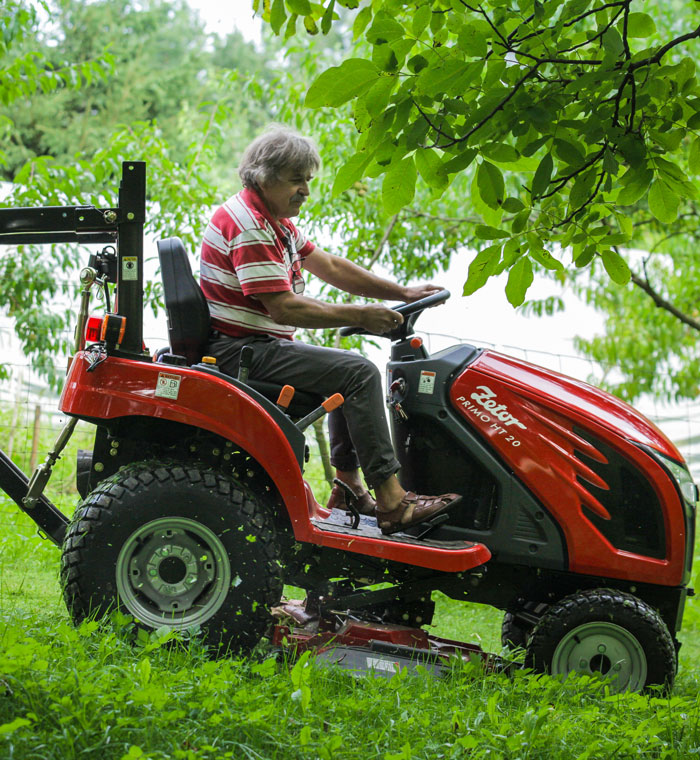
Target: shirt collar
[(252, 197)]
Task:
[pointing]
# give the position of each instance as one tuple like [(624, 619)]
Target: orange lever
[(333, 402), (285, 397)]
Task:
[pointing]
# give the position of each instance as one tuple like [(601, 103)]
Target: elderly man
[(252, 265)]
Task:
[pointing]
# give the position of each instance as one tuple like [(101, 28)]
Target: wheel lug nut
[(601, 648), (583, 663)]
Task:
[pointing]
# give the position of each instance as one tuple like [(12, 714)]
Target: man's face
[(285, 194)]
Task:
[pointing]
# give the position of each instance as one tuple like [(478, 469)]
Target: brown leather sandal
[(364, 502), (414, 509)]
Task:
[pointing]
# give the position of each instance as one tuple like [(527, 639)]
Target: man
[(251, 274)]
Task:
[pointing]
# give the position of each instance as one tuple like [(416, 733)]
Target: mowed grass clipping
[(100, 691)]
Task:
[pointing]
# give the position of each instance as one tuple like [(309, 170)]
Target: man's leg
[(326, 371)]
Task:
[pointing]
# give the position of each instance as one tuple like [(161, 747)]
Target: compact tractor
[(577, 517)]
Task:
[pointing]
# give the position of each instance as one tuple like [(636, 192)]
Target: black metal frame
[(122, 226)]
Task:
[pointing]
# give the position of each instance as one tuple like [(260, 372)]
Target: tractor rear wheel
[(605, 632), (177, 546)]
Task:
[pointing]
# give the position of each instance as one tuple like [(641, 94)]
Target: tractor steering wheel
[(410, 311)]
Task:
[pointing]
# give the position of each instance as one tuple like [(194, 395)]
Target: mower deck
[(378, 649)]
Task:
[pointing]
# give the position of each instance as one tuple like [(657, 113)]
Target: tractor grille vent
[(636, 521)]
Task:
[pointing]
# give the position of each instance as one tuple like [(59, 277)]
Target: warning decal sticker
[(168, 385), (426, 384)]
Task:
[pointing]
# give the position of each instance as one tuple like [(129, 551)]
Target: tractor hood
[(570, 396)]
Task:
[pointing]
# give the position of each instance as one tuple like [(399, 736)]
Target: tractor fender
[(120, 388)]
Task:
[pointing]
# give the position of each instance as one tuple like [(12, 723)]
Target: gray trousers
[(359, 433)]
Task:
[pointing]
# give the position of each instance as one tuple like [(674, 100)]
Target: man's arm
[(351, 278), (287, 308)]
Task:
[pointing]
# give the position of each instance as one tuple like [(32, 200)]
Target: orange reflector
[(113, 329), (285, 397), (93, 329), (333, 402), (416, 342)]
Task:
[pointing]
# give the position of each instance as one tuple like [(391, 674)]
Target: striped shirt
[(245, 251)]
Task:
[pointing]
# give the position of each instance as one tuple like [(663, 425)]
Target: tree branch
[(663, 50), (662, 303), (378, 250)]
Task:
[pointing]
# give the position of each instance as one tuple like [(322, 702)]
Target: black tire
[(607, 632), (175, 546), (515, 629)]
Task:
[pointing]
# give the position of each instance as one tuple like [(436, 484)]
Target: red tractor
[(577, 517)]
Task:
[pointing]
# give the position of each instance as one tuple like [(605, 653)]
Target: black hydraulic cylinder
[(14, 483)]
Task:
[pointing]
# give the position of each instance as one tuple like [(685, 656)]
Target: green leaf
[(377, 97), (421, 19), (568, 151), (545, 258), (543, 176), (513, 205), (327, 20), (384, 29), (361, 20), (485, 232), (694, 156), (350, 172), (339, 84), (471, 41), (635, 185), (431, 168), (500, 152), (616, 267), (520, 278), (278, 15), (300, 7), (399, 185), (663, 202), (460, 162), (8, 728), (520, 221), (491, 185), (640, 25), (481, 268), (450, 76)]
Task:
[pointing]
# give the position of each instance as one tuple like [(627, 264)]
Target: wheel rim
[(605, 649), (173, 571)]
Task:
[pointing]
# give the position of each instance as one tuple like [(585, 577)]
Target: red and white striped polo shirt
[(244, 253)]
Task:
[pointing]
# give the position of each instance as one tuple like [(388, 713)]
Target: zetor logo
[(487, 400)]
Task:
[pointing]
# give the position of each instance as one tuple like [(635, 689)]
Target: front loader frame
[(120, 226)]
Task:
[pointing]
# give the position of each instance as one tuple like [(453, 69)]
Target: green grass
[(95, 692), (101, 692)]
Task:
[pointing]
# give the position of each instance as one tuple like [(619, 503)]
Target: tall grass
[(102, 691)]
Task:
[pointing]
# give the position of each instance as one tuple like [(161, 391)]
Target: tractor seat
[(189, 322)]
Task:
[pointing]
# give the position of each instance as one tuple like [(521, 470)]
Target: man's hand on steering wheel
[(416, 292), (379, 320)]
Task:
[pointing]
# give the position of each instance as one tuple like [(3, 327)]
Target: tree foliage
[(102, 83), (558, 138), (564, 115)]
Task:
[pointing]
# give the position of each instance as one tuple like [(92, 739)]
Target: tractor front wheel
[(176, 546), (605, 632)]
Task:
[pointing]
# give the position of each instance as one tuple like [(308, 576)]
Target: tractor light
[(113, 329), (683, 478), (93, 328)]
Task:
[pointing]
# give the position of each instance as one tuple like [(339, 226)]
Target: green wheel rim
[(605, 649), (173, 571)]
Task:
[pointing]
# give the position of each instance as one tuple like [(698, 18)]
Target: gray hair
[(277, 149)]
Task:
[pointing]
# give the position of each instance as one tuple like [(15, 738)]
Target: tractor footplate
[(337, 522)]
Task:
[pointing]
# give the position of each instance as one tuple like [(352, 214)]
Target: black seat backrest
[(186, 307)]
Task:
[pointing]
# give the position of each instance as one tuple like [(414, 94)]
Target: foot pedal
[(349, 502), (431, 525)]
